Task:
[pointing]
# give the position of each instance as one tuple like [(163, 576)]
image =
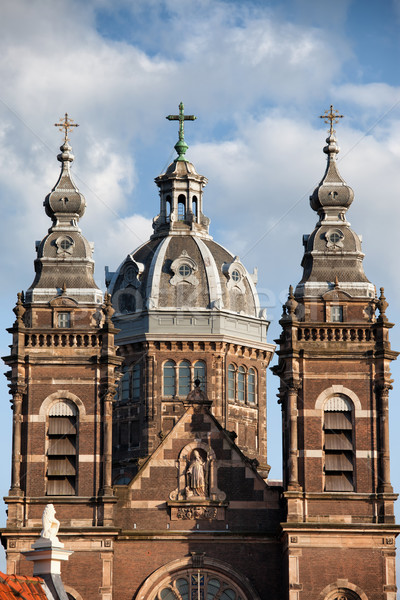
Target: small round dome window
[(65, 244), (235, 275), (335, 236), (185, 270)]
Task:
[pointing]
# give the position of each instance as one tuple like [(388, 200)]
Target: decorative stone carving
[(197, 512), (184, 269), (50, 524), (197, 474), (235, 274)]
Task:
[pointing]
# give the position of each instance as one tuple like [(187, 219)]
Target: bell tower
[(61, 378), (334, 369)]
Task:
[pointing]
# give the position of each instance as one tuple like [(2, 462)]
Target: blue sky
[(257, 75)]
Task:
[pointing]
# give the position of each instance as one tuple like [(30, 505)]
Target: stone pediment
[(198, 472), (336, 295), (63, 301)]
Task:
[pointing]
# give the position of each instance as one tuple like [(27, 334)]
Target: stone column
[(293, 479), (16, 445), (384, 471), (107, 433)]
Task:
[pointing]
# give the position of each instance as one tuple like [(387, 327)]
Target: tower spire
[(64, 257), (332, 197)]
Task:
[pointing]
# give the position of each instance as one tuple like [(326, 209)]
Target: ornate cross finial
[(66, 124), (181, 145), (331, 116)]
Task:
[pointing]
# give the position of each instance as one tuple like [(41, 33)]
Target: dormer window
[(64, 319), (337, 314), (235, 275)]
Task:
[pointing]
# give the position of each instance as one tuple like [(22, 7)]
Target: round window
[(235, 275), (65, 244), (185, 270), (335, 237)]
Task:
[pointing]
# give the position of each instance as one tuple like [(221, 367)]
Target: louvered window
[(62, 449), (338, 445)]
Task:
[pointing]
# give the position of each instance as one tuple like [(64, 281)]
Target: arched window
[(135, 380), (181, 207), (251, 386), (129, 384), (184, 378), (62, 449), (194, 206), (232, 382), (338, 444), (199, 584), (241, 384), (200, 373), (169, 388), (124, 386), (167, 208)]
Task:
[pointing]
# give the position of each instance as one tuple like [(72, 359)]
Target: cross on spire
[(181, 145), (331, 116), (66, 124)]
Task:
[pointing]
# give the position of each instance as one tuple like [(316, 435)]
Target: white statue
[(50, 524), (196, 475)]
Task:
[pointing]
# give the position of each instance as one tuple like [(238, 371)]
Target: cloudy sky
[(257, 74)]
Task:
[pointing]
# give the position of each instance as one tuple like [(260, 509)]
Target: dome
[(186, 273), (181, 282)]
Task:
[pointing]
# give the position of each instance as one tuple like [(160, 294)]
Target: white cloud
[(379, 96)]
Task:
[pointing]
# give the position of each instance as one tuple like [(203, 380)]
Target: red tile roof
[(21, 587)]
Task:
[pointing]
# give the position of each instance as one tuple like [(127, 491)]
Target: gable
[(198, 473)]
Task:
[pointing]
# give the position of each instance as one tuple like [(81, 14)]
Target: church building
[(140, 414)]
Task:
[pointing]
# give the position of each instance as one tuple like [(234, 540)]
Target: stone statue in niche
[(50, 524), (197, 475)]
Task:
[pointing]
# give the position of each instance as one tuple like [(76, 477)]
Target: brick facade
[(142, 416)]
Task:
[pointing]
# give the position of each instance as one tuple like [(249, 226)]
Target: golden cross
[(331, 116), (66, 124)]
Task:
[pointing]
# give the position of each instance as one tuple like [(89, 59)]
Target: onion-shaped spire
[(332, 196), (65, 204)]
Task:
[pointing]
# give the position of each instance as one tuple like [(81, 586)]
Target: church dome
[(183, 272), (181, 267)]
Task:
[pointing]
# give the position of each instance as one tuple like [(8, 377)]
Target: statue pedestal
[(47, 556)]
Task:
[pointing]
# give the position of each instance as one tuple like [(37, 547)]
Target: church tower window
[(62, 449), (337, 314), (181, 207), (241, 385), (232, 382), (200, 374), (64, 319), (136, 383), (168, 208), (338, 445), (194, 206), (124, 386), (251, 386), (184, 378), (169, 379)]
